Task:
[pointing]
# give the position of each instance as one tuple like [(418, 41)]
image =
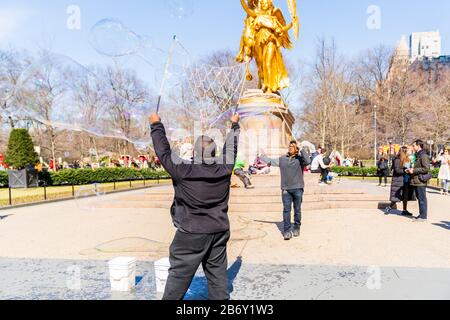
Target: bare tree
[(435, 107), (125, 94), (331, 109), (12, 65), (211, 87)]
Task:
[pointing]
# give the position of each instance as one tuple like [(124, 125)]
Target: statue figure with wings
[(266, 33)]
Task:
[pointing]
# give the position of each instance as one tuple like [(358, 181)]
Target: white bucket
[(161, 274), (122, 272)]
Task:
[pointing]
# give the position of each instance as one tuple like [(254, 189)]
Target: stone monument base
[(267, 124)]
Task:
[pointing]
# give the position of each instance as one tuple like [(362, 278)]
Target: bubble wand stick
[(166, 73)]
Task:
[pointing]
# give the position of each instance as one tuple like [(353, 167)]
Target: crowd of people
[(141, 162), (386, 166), (350, 162), (202, 194), (411, 174)]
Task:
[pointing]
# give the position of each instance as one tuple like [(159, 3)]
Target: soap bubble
[(184, 83), (181, 9), (56, 91), (86, 197), (112, 38), (6, 91), (243, 113), (48, 89)]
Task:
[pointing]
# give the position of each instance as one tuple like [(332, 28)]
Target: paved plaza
[(348, 249)]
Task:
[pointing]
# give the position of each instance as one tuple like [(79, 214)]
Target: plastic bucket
[(122, 273), (161, 274)]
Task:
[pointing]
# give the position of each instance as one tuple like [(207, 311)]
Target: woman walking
[(383, 170), (444, 172), (401, 190)]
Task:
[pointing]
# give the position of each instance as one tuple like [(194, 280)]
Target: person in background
[(348, 162), (157, 163), (260, 167), (444, 171), (420, 175), (318, 165), (316, 154), (199, 210), (412, 155), (292, 167), (383, 170), (187, 152), (401, 190), (239, 171), (39, 167)]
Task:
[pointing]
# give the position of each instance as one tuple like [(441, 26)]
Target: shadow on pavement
[(199, 287), (280, 225), (398, 213), (443, 224)]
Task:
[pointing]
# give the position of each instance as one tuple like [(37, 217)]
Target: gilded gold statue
[(265, 33)]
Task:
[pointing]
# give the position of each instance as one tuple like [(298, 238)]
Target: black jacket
[(383, 168), (202, 191), (398, 183), (421, 167)]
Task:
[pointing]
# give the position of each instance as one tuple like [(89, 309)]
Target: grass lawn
[(23, 196)]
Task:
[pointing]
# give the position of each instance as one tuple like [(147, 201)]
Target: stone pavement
[(348, 247), (56, 280)]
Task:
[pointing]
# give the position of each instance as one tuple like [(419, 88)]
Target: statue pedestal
[(267, 124)]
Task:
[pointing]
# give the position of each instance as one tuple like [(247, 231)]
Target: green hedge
[(435, 173), (89, 176), (365, 172), (3, 179), (355, 171)]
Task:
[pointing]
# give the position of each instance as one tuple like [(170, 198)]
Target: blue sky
[(216, 24)]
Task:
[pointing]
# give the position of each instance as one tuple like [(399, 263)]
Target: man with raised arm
[(292, 167), (199, 210)]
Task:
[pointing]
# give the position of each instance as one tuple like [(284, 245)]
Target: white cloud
[(10, 21)]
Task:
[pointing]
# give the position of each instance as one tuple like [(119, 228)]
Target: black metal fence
[(10, 197)]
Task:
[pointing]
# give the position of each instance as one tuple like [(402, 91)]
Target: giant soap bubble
[(58, 92), (47, 90), (112, 38), (201, 90), (112, 102)]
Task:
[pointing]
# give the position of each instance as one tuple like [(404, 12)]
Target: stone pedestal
[(267, 124)]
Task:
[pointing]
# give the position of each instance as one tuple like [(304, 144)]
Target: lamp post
[(376, 134), (390, 152), (431, 143)]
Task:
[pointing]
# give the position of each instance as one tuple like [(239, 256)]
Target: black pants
[(385, 179), (187, 252), (324, 174), (243, 176), (421, 194)]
